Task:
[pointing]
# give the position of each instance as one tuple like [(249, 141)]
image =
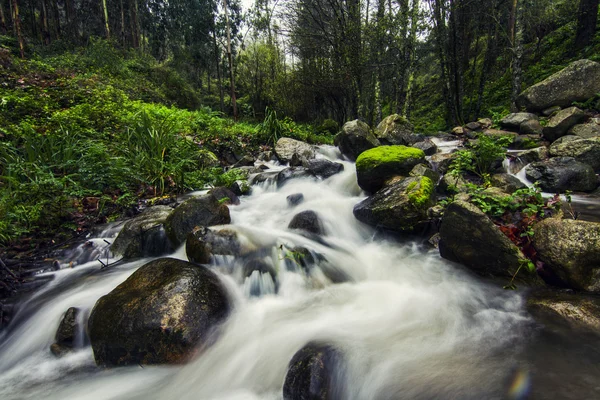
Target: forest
[(81, 77)]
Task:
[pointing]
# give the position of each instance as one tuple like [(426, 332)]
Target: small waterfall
[(410, 324)]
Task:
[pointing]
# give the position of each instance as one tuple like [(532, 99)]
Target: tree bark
[(17, 27), (517, 62), (2, 20), (106, 24), (44, 23), (230, 60), (135, 23), (587, 18), (56, 13)]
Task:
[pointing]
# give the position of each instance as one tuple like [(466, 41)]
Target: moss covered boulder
[(315, 373), (572, 249), (355, 137), (144, 235), (394, 130), (375, 166), (578, 310), (162, 314), (401, 206), (204, 210), (585, 151), (469, 237), (578, 82), (560, 174)]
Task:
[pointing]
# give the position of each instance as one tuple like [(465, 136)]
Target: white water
[(410, 325)]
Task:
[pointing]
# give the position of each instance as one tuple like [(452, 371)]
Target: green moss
[(419, 193), (377, 156)]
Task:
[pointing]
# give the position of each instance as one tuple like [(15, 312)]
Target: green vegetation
[(479, 156), (419, 193), (377, 156), (85, 135)]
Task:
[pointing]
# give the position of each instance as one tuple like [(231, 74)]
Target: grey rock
[(560, 174), (293, 151), (394, 130), (578, 82), (322, 168), (560, 124), (531, 127), (202, 243), (428, 147), (585, 131), (507, 183), (144, 235), (513, 121), (295, 199), (308, 221), (585, 151), (355, 137)]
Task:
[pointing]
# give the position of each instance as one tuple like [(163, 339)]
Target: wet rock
[(240, 187), (428, 147), (314, 373), (441, 162), (493, 133), (293, 151), (507, 183), (291, 173), (585, 151), (450, 184), (375, 166), (401, 206), (162, 314), (572, 249), (355, 138), (203, 243), (469, 237), (579, 310), (560, 174), (144, 235), (198, 211), (533, 155), (295, 199), (585, 131), (531, 127), (259, 265), (70, 334), (225, 196), (307, 221), (394, 130), (551, 110), (578, 82), (474, 126), (323, 169), (525, 142), (513, 121), (245, 161), (424, 170), (459, 131), (560, 124)]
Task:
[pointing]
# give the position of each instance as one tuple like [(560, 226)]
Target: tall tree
[(17, 27), (230, 59), (587, 18)]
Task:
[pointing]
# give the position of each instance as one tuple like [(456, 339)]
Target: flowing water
[(410, 325)]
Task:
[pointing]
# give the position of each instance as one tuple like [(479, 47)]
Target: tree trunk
[(587, 17), (230, 60), (441, 42), (17, 27), (122, 33), (2, 20), (135, 23), (56, 13), (409, 51), (44, 23), (517, 62), (106, 24)]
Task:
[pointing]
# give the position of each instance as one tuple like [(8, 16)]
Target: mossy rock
[(394, 130), (375, 166), (401, 206)]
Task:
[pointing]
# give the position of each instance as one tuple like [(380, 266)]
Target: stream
[(410, 324)]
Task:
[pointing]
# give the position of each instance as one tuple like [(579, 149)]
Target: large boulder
[(507, 183), (394, 129), (308, 221), (314, 374), (293, 151), (513, 121), (291, 173), (586, 151), (202, 243), (585, 131), (572, 249), (322, 168), (225, 195), (355, 137), (162, 314), (144, 235), (578, 310), (440, 162), (204, 210), (428, 147), (560, 174), (469, 237), (560, 124), (401, 206), (70, 333), (375, 166), (578, 82)]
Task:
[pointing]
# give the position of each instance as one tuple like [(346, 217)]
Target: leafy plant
[(479, 157), (271, 129)]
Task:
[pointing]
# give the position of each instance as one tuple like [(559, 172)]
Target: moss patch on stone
[(419, 192), (377, 156)]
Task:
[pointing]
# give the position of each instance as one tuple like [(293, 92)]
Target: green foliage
[(479, 157), (271, 128), (527, 201)]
